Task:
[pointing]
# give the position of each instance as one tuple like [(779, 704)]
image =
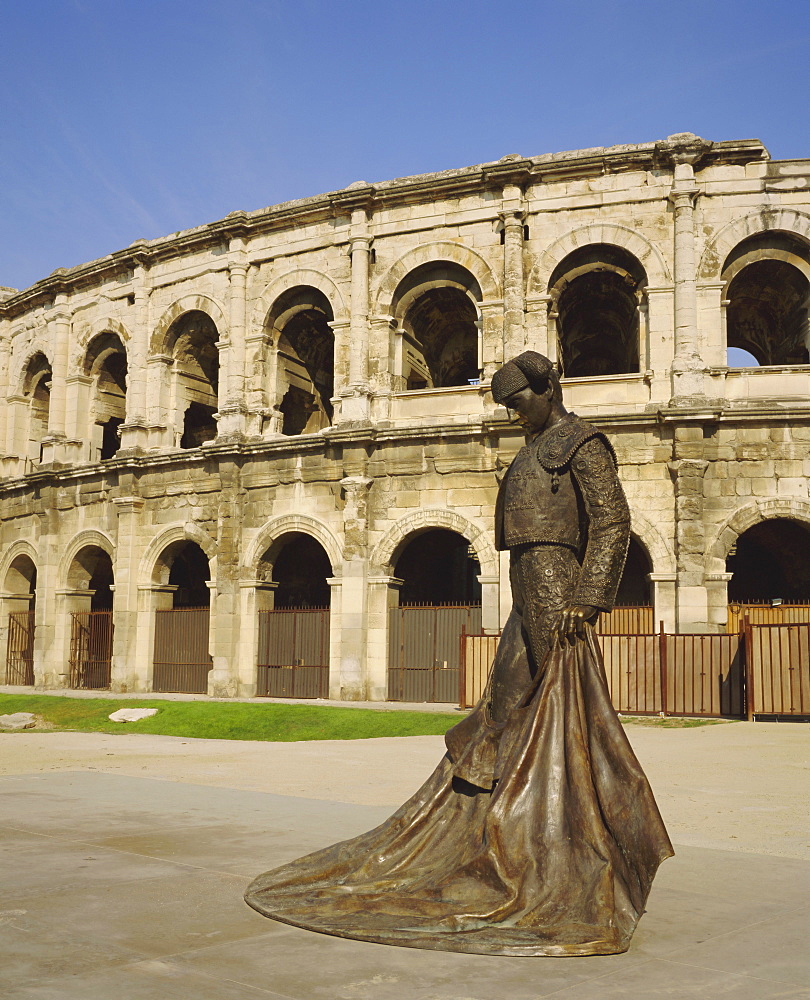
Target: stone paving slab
[(130, 888)]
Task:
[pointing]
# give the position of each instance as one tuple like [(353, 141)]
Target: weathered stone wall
[(705, 451)]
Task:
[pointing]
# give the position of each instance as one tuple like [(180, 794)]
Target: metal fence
[(424, 651), (293, 657), (778, 669), (627, 620), (762, 671), (20, 648), (91, 636), (181, 660), (786, 613)]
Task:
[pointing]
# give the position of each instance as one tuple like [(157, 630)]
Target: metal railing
[(91, 637), (181, 659), (784, 613), (293, 655), (635, 619), (20, 648)]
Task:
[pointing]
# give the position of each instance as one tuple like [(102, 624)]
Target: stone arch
[(22, 547), (187, 532), (726, 239), (106, 324), (20, 368), (647, 254), (387, 548), (746, 517), (293, 279), (284, 525), (430, 253), (188, 303), (89, 537), (661, 554)]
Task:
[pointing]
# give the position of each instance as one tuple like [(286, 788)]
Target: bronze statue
[(538, 833)]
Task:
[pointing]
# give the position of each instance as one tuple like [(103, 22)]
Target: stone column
[(717, 599), (491, 339), (80, 422), (490, 603), (54, 444), (383, 594), (161, 415), (355, 395), (255, 596), (537, 326), (231, 423), (514, 291), (134, 431), (128, 674), (664, 600), (683, 151), (353, 577), (690, 534), (151, 598)]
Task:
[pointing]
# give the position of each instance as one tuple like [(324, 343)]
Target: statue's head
[(528, 370)]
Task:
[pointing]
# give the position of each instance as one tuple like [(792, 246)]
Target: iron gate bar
[(181, 660), (293, 653), (20, 648), (90, 662)]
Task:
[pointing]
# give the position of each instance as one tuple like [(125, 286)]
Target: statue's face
[(533, 409)]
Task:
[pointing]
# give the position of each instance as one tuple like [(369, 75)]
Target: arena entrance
[(181, 659), (293, 654), (91, 629), (20, 600), (440, 599)]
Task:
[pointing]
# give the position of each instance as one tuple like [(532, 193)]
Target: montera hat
[(529, 369)]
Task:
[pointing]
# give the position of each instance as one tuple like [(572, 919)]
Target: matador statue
[(538, 833)]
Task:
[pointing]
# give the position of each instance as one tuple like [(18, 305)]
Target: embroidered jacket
[(562, 489)]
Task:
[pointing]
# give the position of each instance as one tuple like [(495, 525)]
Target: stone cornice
[(514, 170)]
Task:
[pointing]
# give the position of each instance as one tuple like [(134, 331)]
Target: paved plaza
[(125, 858)]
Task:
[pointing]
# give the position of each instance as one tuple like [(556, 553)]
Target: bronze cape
[(538, 833)]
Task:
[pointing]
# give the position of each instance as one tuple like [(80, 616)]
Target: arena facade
[(288, 408)]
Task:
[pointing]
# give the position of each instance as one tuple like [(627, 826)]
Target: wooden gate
[(20, 648), (293, 660), (424, 651), (181, 661), (91, 635)]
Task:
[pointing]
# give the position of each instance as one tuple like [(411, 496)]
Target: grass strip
[(229, 720)]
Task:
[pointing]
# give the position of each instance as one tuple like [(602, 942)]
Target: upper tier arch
[(726, 239)]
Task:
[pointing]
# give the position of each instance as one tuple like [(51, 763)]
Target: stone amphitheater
[(208, 435)]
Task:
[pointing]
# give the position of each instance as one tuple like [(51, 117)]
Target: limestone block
[(763, 487), (132, 714), (797, 487), (18, 720)]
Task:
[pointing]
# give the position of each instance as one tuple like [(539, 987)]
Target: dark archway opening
[(438, 567), (436, 307), (306, 359), (634, 589), (37, 387), (301, 569), (767, 313), (190, 573), (193, 339), (106, 361), (770, 562), (597, 290)]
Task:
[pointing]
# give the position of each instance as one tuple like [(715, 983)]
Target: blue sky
[(128, 119)]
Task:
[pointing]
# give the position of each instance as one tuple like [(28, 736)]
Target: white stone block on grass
[(132, 714), (18, 720)]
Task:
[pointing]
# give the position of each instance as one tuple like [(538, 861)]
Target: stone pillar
[(231, 423), (690, 535), (128, 673), (80, 422), (664, 600), (355, 395), (134, 430), (54, 444), (538, 326), (354, 615), (514, 291), (504, 588), (255, 596), (335, 637), (717, 598), (151, 598), (161, 416), (683, 151), (491, 340), (383, 594), (490, 603)]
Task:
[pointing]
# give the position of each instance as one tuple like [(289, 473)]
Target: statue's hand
[(572, 622)]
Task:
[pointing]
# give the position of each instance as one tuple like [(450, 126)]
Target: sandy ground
[(737, 786)]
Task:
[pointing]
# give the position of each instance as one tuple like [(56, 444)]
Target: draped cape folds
[(557, 858)]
